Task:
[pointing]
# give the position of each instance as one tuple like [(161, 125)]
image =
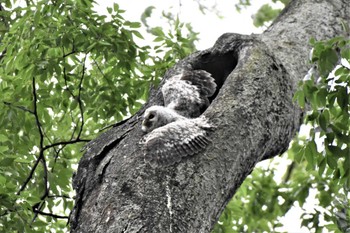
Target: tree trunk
[(255, 119)]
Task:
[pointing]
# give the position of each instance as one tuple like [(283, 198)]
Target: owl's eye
[(151, 116)]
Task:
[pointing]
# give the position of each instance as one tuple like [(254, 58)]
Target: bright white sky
[(210, 27)]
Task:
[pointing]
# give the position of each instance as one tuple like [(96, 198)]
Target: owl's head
[(151, 118), (158, 116)]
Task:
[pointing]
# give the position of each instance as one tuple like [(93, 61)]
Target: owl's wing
[(167, 145), (187, 93)]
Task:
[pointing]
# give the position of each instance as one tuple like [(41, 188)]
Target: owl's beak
[(143, 126)]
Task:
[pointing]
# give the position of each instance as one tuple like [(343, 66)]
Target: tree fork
[(255, 118)]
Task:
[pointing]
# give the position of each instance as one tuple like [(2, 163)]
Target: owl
[(177, 129), (157, 116)]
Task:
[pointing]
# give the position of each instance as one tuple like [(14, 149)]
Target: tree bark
[(255, 119)]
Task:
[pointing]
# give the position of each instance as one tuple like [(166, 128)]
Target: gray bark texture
[(255, 119)]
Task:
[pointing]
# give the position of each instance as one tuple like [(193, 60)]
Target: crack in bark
[(169, 203)]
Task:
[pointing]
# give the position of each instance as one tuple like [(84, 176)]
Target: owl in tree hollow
[(177, 129)]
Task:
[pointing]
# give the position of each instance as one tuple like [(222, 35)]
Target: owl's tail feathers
[(202, 79)]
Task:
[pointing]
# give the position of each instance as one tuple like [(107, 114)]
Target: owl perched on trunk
[(176, 129)]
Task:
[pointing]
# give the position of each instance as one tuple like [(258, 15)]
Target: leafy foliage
[(170, 40), (65, 73), (259, 195), (327, 148), (265, 14)]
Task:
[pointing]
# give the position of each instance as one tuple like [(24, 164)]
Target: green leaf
[(331, 161), (309, 155), (321, 166), (323, 120), (2, 180), (327, 61), (116, 7), (299, 96), (312, 41), (146, 14), (321, 97), (133, 24), (265, 13), (3, 138), (137, 34), (342, 97), (302, 195), (298, 156), (325, 198), (7, 161), (336, 151), (341, 70), (3, 149), (337, 129), (311, 117), (74, 105), (345, 53)]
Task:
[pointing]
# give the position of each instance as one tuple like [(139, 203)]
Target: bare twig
[(35, 100), (103, 75), (50, 214), (66, 83), (65, 143), (114, 124), (37, 207), (70, 53), (56, 156), (29, 176), (75, 126), (41, 138), (59, 196), (46, 182), (79, 99), (288, 173), (19, 107)]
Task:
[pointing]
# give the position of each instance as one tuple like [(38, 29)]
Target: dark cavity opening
[(219, 65)]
